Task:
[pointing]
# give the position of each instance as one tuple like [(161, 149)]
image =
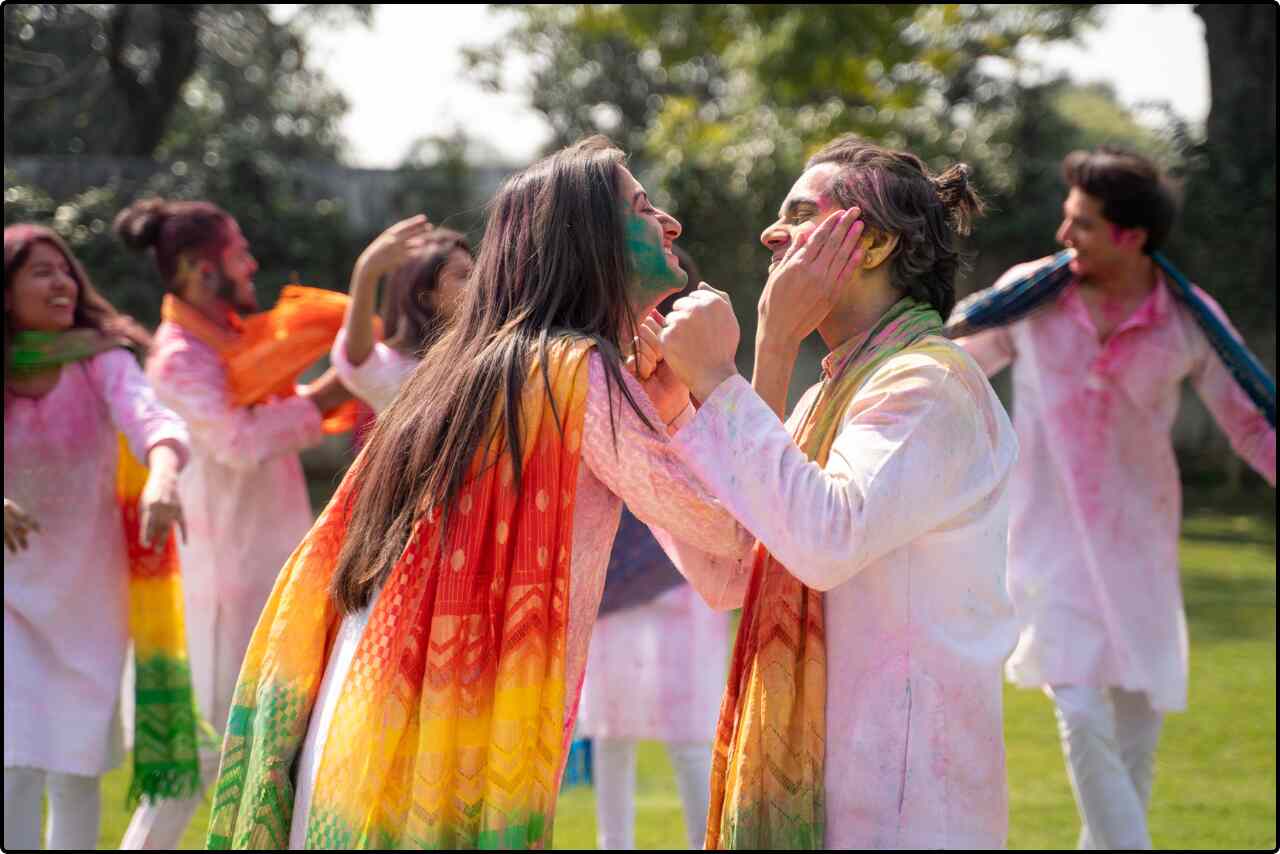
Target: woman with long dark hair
[(80, 551), (426, 270), (420, 659)]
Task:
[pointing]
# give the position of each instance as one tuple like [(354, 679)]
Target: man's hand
[(806, 284), (326, 391), (17, 524), (699, 339)]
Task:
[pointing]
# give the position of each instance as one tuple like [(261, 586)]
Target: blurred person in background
[(1096, 496), (71, 387), (246, 495), (426, 270), (655, 671)]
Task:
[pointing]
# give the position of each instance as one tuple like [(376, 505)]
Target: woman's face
[(650, 233), (451, 282), (41, 296)]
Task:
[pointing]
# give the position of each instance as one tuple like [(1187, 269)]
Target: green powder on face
[(648, 259)]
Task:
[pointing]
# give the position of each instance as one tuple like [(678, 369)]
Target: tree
[(1230, 211), (719, 105), (166, 79)]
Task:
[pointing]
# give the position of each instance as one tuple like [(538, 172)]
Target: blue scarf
[(1021, 297)]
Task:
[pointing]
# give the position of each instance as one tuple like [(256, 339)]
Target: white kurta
[(378, 378), (245, 501), (66, 600), (904, 531), (1096, 499), (657, 671), (640, 469)]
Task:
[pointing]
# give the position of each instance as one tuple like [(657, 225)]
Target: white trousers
[(613, 770), (161, 826), (75, 808), (1109, 740)]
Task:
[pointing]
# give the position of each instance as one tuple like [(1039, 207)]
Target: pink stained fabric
[(378, 378), (245, 501), (642, 469), (657, 671), (1096, 500), (904, 531), (66, 600)]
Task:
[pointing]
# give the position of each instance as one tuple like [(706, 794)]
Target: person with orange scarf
[(414, 679), (230, 372), (863, 707)]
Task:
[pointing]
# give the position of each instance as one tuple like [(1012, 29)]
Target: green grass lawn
[(1215, 785)]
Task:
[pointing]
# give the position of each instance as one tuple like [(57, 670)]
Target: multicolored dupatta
[(449, 729), (768, 767), (165, 763), (265, 352)]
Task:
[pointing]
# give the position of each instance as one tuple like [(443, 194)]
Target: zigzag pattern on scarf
[(768, 767), (448, 727)]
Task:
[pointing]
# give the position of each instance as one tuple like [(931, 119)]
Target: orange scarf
[(265, 353)]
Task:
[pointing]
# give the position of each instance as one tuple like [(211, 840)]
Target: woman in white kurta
[(427, 269), (656, 671), (623, 458), (66, 627)]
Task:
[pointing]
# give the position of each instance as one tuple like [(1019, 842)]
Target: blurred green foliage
[(216, 102), (720, 105)]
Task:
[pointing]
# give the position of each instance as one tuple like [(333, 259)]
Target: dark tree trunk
[(1241, 155), (150, 99)]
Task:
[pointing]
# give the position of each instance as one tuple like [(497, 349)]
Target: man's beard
[(226, 291)]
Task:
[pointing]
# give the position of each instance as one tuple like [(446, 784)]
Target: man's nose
[(774, 237)]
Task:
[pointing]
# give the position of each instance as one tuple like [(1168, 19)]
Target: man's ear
[(1129, 238), (877, 247)]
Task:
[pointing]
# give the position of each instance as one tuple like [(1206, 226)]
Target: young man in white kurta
[(248, 509), (1097, 503), (903, 531)]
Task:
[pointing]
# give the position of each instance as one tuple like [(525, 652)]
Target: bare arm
[(387, 252)]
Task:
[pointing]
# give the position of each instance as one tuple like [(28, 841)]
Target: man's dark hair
[(897, 194), (1133, 191)]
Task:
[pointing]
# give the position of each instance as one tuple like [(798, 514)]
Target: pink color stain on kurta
[(1096, 496)]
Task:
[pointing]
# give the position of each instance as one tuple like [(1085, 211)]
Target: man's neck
[(1133, 280), (873, 298), (211, 308)]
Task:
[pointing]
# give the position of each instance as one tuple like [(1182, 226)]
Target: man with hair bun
[(863, 708), (1096, 499), (245, 492)]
